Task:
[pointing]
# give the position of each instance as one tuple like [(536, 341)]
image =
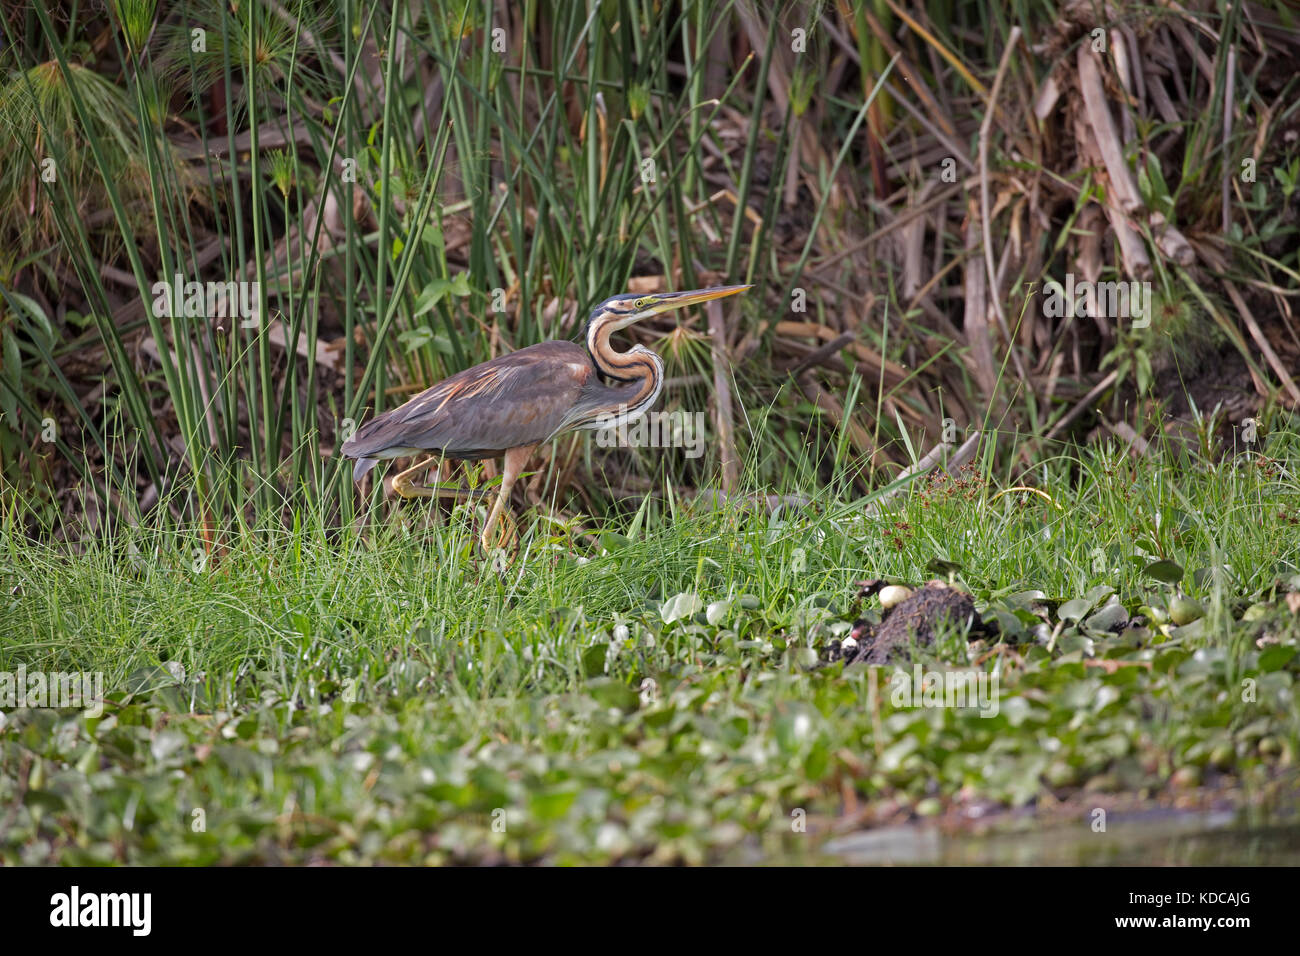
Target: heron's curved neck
[(635, 365)]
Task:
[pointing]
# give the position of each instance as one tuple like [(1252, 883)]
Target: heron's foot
[(460, 493), (500, 538), (406, 488)]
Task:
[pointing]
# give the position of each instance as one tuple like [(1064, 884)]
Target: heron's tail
[(362, 467)]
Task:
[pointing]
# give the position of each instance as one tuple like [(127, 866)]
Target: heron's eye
[(639, 304)]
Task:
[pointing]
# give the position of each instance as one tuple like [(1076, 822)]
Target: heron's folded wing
[(518, 399)]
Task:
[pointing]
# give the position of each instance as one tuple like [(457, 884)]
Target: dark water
[(1158, 837)]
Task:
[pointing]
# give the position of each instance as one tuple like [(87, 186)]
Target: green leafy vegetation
[(388, 696)]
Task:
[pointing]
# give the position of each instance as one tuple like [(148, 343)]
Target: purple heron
[(508, 406)]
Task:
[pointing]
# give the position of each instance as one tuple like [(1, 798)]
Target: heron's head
[(620, 311)]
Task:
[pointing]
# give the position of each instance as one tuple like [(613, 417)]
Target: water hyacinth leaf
[(1074, 610), (1275, 658), (1025, 599), (1009, 623), (1105, 696), (44, 799), (551, 804), (1256, 612), (1110, 618), (1098, 593), (593, 660), (1204, 577), (1026, 617), (165, 744), (893, 756), (611, 693), (1015, 710), (942, 566), (1169, 572), (679, 606), (1184, 610), (1194, 629), (717, 611), (1072, 642)]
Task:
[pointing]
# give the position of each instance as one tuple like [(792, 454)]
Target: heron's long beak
[(664, 301)]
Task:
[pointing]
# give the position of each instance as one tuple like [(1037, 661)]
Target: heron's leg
[(515, 460), (407, 488)]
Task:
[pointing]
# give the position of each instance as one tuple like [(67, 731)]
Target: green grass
[(385, 694)]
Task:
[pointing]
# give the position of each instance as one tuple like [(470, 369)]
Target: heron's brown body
[(524, 398), (513, 403)]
